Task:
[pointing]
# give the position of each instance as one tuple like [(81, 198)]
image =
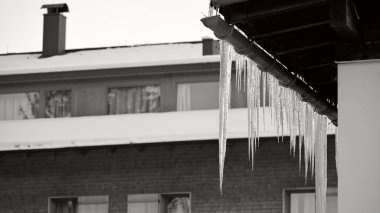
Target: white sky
[(95, 23)]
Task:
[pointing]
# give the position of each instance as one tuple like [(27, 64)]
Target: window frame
[(72, 101), (162, 199), (50, 200), (136, 83), (210, 77), (188, 78), (331, 191), (165, 196)]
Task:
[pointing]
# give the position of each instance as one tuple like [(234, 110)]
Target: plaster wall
[(359, 143)]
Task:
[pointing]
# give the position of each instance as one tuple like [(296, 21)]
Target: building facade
[(139, 138), (134, 129)]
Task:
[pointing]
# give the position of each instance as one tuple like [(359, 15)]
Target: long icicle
[(288, 112), (321, 164), (224, 103), (251, 114)]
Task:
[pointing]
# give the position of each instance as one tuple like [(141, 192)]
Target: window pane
[(93, 204), (143, 203), (179, 205), (302, 202), (197, 96), (63, 205), (140, 99), (58, 104), (305, 202), (332, 204), (19, 106)]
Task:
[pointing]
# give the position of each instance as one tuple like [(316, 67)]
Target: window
[(58, 104), (205, 95), (175, 203), (83, 204), (138, 99), (18, 106), (63, 205), (159, 203), (197, 96), (303, 200), (143, 203)]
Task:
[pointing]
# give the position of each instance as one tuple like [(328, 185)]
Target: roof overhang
[(309, 36)]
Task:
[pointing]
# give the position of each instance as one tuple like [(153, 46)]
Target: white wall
[(359, 137)]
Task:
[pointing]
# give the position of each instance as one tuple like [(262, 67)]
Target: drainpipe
[(266, 63)]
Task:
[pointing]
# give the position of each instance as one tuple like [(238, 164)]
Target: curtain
[(302, 203), (93, 204), (58, 104), (143, 203), (183, 97), (305, 203), (179, 205), (127, 100), (64, 206), (19, 106)]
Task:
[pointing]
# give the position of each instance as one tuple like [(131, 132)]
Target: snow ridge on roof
[(132, 56)]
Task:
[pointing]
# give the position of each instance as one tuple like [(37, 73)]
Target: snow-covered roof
[(106, 58)]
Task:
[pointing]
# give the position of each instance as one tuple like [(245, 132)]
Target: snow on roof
[(134, 56)]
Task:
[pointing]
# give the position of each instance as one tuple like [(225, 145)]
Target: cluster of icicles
[(286, 109)]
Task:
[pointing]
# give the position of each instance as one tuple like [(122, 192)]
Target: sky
[(95, 23)]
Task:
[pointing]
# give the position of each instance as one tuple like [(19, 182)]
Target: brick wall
[(27, 179)]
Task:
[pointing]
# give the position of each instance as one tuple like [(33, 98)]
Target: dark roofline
[(108, 47)]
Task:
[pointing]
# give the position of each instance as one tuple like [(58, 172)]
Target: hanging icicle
[(251, 104), (287, 111), (241, 70), (321, 163), (224, 102)]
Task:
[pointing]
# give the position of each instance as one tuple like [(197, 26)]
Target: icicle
[(241, 69), (224, 103), (286, 110), (258, 101), (251, 106), (212, 10), (265, 83), (301, 129), (321, 164)]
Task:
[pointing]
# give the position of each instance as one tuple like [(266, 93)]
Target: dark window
[(58, 104), (63, 205), (138, 99), (82, 204), (176, 203), (159, 203)]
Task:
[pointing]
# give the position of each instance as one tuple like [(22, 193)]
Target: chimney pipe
[(54, 34), (210, 46)]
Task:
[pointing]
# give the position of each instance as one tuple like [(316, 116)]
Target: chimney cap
[(56, 8)]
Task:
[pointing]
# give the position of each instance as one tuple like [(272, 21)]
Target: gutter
[(266, 63)]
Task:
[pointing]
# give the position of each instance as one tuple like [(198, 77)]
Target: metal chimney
[(54, 37), (210, 46)]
